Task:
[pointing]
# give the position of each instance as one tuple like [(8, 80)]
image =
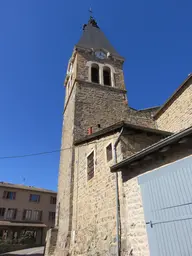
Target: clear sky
[(36, 41)]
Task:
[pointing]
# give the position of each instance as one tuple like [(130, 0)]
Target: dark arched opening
[(95, 73), (107, 76)]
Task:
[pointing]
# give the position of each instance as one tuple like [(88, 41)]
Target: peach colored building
[(26, 211)]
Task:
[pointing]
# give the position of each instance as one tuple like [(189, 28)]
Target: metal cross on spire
[(90, 11), (91, 21)]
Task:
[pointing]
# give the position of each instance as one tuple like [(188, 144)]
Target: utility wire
[(50, 152), (34, 154)]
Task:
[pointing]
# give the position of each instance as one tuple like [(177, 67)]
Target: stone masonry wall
[(94, 204), (51, 241), (103, 105), (65, 183), (89, 105), (97, 104), (134, 237), (178, 115), (94, 201), (137, 141), (82, 68), (133, 221)]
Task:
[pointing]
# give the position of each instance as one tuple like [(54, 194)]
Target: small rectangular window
[(53, 200), (2, 212), (109, 152), (90, 166), (9, 195), (34, 198), (52, 216), (11, 213)]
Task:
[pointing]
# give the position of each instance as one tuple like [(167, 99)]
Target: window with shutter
[(24, 214), (90, 166), (2, 212), (9, 195), (15, 214), (27, 214), (37, 215), (5, 194), (11, 213), (40, 215), (51, 216), (53, 200)]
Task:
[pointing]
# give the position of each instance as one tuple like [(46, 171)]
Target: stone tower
[(95, 99)]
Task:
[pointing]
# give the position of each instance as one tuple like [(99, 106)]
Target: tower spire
[(91, 21), (94, 38)]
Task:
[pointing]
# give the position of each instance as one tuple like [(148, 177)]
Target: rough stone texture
[(65, 184), (86, 219), (136, 141), (177, 115), (104, 105), (82, 68), (133, 222), (94, 205), (51, 241)]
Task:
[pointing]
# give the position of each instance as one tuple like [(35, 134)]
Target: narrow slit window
[(95, 73), (90, 166), (109, 152), (107, 76)]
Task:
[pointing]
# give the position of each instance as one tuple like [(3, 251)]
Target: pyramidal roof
[(93, 37)]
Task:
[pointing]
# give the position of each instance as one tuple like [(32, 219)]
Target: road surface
[(37, 251)]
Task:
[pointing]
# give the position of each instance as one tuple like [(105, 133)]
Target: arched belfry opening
[(95, 73), (107, 76)]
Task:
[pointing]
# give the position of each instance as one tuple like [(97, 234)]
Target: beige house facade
[(25, 209), (107, 149)]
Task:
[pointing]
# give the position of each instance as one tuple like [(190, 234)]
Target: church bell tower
[(95, 82), (95, 99)]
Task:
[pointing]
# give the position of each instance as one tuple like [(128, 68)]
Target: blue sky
[(36, 41)]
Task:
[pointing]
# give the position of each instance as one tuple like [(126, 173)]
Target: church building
[(125, 175)]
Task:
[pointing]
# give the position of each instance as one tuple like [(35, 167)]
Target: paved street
[(38, 251)]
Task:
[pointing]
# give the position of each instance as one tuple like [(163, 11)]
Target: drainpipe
[(117, 194)]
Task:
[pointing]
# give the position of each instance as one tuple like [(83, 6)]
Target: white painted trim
[(101, 67), (112, 73)]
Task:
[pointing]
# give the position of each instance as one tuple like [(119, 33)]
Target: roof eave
[(151, 149), (113, 55), (117, 126)]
